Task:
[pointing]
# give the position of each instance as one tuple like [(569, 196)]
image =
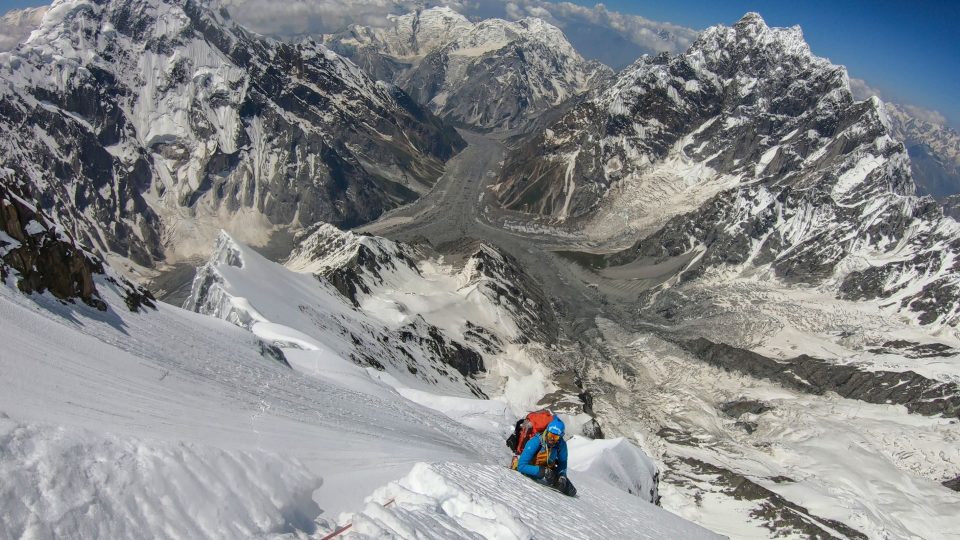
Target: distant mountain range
[(490, 74)]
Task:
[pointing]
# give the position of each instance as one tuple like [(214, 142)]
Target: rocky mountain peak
[(750, 46), (764, 145)]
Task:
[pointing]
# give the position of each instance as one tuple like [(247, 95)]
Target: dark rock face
[(813, 375), (912, 349), (463, 359), (953, 484), (736, 409), (40, 256), (125, 140), (273, 352), (512, 287)]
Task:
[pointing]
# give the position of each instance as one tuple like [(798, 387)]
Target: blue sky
[(908, 50)]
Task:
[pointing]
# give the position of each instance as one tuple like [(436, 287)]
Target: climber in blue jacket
[(544, 458)]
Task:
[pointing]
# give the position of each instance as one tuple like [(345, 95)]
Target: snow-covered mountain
[(390, 307), (147, 126), (934, 151), (746, 152), (490, 74)]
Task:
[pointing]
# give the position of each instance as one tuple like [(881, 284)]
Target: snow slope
[(172, 424)]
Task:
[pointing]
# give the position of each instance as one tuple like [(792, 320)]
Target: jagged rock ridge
[(148, 125)]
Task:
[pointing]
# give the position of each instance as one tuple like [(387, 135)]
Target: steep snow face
[(492, 74), (317, 328), (745, 151), (198, 422), (149, 125)]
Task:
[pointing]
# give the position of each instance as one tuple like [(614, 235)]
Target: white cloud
[(16, 25), (651, 35), (862, 90), (300, 17), (927, 115)]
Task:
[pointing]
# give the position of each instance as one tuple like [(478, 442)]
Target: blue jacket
[(558, 456)]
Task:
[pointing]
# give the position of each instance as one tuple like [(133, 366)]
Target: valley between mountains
[(258, 288)]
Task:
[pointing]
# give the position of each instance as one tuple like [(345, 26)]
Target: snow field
[(192, 398), (73, 483)]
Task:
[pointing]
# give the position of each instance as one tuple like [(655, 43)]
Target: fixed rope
[(340, 530)]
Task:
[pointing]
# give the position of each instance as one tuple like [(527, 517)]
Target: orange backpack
[(528, 427)]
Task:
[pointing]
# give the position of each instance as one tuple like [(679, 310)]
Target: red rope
[(341, 530)]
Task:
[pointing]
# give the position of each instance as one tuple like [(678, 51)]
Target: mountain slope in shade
[(148, 125), (746, 151), (490, 74)]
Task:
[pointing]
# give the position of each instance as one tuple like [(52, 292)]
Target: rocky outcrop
[(736, 409), (39, 256), (953, 484), (506, 283), (917, 393)]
